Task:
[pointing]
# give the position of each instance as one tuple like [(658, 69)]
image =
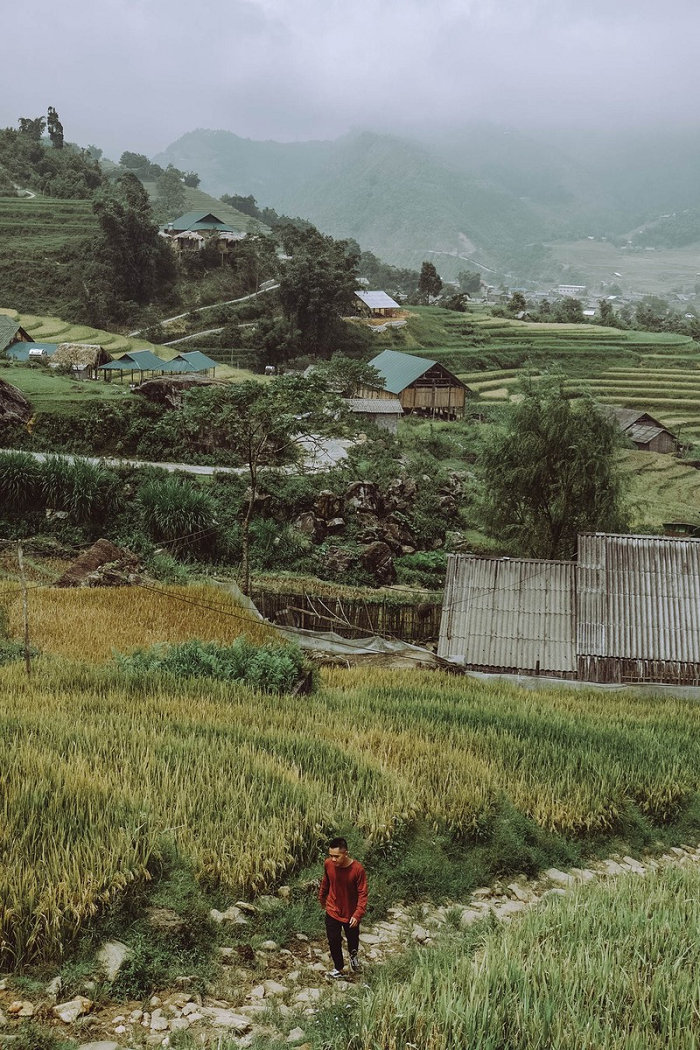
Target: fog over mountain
[(137, 74), (485, 194)]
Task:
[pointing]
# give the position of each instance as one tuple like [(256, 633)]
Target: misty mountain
[(479, 196)]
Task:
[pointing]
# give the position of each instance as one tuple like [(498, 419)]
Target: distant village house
[(376, 304), (11, 332)]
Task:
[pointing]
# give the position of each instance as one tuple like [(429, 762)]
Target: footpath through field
[(280, 992)]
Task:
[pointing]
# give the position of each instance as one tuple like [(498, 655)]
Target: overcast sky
[(136, 74)]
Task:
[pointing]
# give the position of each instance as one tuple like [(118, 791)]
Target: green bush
[(178, 513), (271, 668)]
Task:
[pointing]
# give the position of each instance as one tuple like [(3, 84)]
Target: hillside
[(42, 241), (484, 194), (390, 194)]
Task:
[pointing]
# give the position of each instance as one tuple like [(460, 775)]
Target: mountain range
[(477, 197)]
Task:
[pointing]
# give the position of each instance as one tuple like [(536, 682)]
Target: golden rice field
[(99, 771)]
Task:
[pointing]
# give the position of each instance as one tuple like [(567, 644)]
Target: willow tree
[(551, 471)]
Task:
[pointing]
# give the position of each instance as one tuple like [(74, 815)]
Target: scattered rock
[(559, 878), (308, 995), (420, 934), (3, 1019), (165, 920), (53, 988), (223, 1018), (73, 1009), (274, 988), (233, 914), (111, 956), (251, 909), (256, 993), (296, 1035), (369, 938), (269, 946), (100, 1044)]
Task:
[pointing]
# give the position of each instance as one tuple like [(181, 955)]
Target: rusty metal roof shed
[(639, 597), (509, 614)]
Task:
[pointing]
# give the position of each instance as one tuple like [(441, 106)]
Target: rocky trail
[(274, 992)]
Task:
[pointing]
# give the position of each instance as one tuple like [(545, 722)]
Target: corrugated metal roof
[(197, 359), (377, 300), (198, 220), (644, 434), (376, 406), (639, 597), (508, 613), (8, 331), (177, 365), (399, 370), (137, 361)]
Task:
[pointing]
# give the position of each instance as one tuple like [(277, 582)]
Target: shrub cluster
[(271, 668)]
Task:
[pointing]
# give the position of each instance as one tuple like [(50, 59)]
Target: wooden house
[(11, 332), (383, 412), (192, 231), (424, 387), (647, 433)]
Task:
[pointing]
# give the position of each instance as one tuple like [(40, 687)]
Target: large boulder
[(168, 390), (14, 407), (378, 561), (363, 496), (103, 565), (328, 506)]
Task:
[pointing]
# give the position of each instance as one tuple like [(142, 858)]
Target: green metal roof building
[(424, 387)]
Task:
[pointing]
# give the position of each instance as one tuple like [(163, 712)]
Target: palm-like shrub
[(178, 514)]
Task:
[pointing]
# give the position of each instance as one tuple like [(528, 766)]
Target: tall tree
[(317, 287), (430, 283), (262, 422), (54, 128), (32, 127), (130, 262), (549, 472)]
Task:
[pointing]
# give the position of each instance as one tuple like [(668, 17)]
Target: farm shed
[(384, 413), (11, 332), (192, 361), (140, 361), (509, 615), (628, 610), (83, 359), (638, 609), (376, 304), (424, 387), (646, 432)]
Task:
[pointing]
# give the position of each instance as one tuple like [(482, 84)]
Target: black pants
[(334, 930)]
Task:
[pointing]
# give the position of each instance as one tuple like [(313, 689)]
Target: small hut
[(83, 359), (424, 387), (647, 433)]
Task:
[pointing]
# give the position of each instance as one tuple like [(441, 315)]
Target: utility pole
[(25, 610)]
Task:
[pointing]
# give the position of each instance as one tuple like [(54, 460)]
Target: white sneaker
[(335, 973)]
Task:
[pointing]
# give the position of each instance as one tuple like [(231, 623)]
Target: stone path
[(289, 984)]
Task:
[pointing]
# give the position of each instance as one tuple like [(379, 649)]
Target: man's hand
[(353, 921)]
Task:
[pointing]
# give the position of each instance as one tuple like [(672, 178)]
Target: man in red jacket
[(343, 893)]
